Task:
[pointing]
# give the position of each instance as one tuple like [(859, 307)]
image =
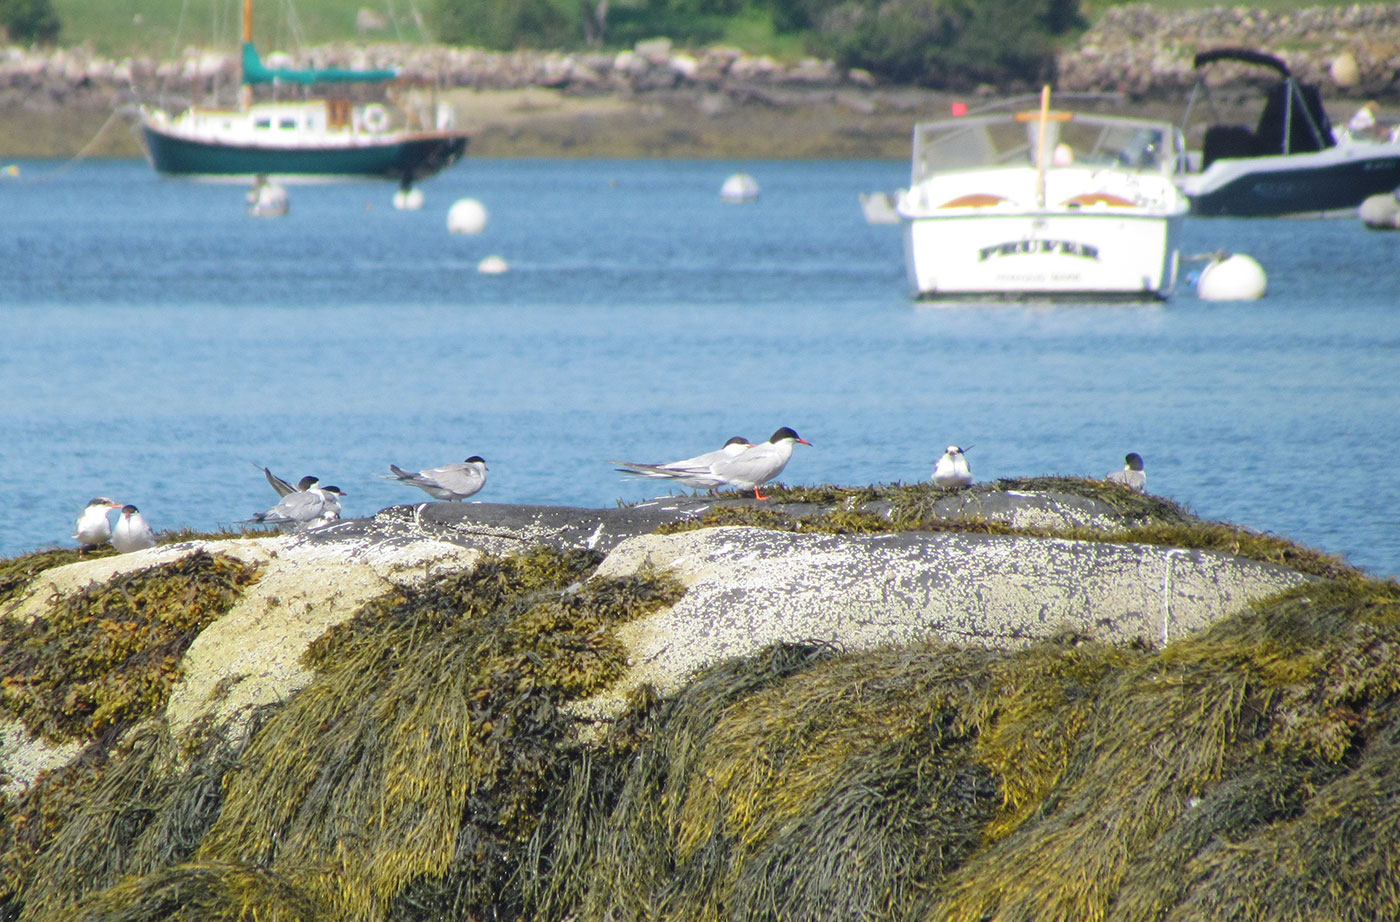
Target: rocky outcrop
[(745, 587), (748, 588), (1147, 50)]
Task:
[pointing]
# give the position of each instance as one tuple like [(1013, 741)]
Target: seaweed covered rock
[(1227, 775), (873, 703), (153, 632), (748, 588)]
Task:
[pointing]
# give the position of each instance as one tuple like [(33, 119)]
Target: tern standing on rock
[(951, 469), (758, 464), (307, 508), (1132, 475), (449, 482), (690, 472), (92, 529), (133, 532)]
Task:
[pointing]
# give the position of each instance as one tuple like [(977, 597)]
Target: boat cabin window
[(263, 123), (1082, 140), (287, 123)]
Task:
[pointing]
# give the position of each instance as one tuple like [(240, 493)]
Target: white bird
[(132, 532), (330, 512), (690, 472), (309, 508), (92, 527), (951, 469), (758, 464), (1132, 475), (449, 482)]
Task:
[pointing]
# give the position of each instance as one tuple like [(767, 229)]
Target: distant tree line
[(29, 22), (943, 43), (946, 43)]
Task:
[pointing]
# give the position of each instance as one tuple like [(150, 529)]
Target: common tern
[(690, 472), (1132, 475), (92, 527), (758, 464), (309, 508), (449, 482), (951, 469), (132, 531)]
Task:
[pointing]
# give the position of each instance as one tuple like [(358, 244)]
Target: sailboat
[(309, 138)]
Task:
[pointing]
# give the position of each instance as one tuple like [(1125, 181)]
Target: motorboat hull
[(1336, 179), (1030, 255)]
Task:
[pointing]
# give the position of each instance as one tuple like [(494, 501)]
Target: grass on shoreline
[(162, 28)]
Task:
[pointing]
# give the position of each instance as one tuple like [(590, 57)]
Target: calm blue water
[(157, 343)]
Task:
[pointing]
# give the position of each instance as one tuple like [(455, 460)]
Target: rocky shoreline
[(660, 100), (451, 711)]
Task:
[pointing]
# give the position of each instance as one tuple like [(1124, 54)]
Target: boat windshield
[(977, 142)]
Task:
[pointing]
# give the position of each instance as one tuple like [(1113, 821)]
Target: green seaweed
[(421, 749), (107, 655), (431, 770), (16, 573)]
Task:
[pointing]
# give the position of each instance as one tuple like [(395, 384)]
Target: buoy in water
[(492, 265), (410, 199), (267, 199), (741, 187), (466, 216), (1380, 212), (1232, 277)]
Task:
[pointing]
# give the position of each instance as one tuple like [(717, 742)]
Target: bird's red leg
[(758, 495)]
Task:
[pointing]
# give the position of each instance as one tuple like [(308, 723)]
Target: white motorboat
[(1043, 204)]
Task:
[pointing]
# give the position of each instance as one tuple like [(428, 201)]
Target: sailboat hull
[(403, 156)]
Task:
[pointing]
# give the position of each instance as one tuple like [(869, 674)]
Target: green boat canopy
[(254, 71)]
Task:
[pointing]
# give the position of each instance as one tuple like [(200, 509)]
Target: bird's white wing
[(753, 466)]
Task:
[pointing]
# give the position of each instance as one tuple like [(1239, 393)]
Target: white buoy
[(492, 265), (878, 208), (410, 199), (741, 187), (1232, 277), (267, 199), (466, 216), (1380, 212)]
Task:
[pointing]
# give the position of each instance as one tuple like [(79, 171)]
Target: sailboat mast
[(246, 89)]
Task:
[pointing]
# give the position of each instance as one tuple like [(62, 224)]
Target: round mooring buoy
[(492, 265), (466, 216), (1232, 277), (741, 187), (1380, 212), (410, 199), (267, 200)]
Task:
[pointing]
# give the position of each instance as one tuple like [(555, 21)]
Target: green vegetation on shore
[(933, 42)]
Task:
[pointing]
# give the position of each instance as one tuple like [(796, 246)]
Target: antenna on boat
[(1040, 158)]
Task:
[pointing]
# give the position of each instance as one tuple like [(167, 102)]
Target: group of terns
[(739, 464), (94, 526)]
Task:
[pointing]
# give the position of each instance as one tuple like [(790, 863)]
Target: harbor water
[(160, 346)]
